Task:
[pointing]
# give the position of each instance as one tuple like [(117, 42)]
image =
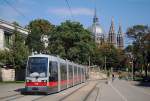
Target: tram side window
[(75, 71), (70, 72), (82, 72), (79, 72), (53, 70), (63, 70)]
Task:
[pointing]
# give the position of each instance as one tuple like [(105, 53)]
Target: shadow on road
[(19, 90), (24, 92), (143, 84)]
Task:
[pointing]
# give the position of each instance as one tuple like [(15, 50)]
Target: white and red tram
[(50, 74)]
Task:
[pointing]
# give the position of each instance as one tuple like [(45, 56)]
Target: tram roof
[(56, 58), (39, 55)]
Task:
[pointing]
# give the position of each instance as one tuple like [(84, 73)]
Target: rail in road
[(20, 97), (96, 90), (65, 97), (61, 96), (87, 93), (11, 97)]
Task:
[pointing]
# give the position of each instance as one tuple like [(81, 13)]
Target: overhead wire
[(69, 7), (15, 9)]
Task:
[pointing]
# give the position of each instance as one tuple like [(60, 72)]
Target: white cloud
[(75, 11)]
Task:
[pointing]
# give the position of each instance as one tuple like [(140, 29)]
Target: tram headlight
[(28, 80), (44, 80)]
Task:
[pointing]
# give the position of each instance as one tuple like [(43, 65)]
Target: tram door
[(53, 76)]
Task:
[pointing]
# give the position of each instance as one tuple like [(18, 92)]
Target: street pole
[(89, 61), (89, 67), (105, 63), (132, 69)]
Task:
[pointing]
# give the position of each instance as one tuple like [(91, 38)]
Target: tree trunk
[(146, 71)]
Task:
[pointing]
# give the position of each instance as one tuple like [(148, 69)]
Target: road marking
[(100, 93), (119, 93), (98, 90)]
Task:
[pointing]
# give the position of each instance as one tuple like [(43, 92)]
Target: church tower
[(95, 18), (96, 30), (120, 39), (111, 34)]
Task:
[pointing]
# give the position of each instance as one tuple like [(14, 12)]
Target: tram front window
[(37, 67)]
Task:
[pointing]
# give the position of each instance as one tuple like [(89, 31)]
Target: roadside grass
[(7, 82), (138, 78)]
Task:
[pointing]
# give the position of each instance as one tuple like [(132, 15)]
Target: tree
[(38, 28), (139, 51), (6, 57), (19, 51), (70, 40)]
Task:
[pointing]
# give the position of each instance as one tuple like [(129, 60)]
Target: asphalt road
[(130, 92), (121, 90)]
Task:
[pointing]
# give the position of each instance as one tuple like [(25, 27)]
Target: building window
[(7, 39)]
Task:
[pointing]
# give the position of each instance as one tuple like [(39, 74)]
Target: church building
[(100, 36)]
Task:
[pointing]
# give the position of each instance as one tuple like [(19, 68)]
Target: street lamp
[(130, 55), (105, 63)]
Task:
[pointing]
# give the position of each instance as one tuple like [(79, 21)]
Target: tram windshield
[(37, 67)]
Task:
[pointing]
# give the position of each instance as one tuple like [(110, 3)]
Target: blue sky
[(126, 12)]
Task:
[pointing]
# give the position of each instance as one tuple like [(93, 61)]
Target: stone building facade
[(6, 31)]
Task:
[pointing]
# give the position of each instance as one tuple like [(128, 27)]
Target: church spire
[(120, 39), (95, 18), (111, 34), (112, 26), (120, 29)]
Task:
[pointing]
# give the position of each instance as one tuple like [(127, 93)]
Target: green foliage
[(115, 58), (6, 57), (38, 28), (18, 50), (70, 40), (137, 31), (140, 48), (17, 53)]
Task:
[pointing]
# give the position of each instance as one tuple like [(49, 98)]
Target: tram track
[(1, 98), (65, 97), (15, 97), (11, 97), (90, 92), (39, 98), (87, 96), (96, 89)]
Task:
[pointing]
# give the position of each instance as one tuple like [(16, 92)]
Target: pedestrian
[(113, 77)]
